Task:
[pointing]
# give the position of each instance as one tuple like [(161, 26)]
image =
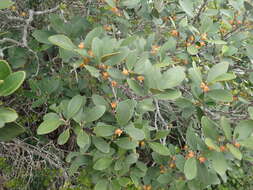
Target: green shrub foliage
[(150, 94)]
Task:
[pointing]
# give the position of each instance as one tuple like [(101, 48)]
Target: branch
[(200, 11)]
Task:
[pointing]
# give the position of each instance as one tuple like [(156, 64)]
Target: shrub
[(147, 94)]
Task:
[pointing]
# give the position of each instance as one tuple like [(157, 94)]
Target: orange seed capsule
[(90, 53), (237, 145), (114, 105), (125, 72), (206, 89), (191, 154), (140, 78), (114, 83), (204, 37), (105, 75), (202, 159), (118, 132), (223, 148), (81, 45), (174, 33), (202, 43)]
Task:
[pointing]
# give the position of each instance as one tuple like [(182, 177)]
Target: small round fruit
[(202, 159), (118, 132), (125, 72), (174, 33), (81, 45), (237, 145), (202, 43), (191, 154), (142, 143), (86, 60), (90, 53), (114, 83), (140, 78), (223, 148), (23, 14), (113, 105), (105, 75), (206, 89), (204, 37)]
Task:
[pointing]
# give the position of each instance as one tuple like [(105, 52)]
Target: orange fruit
[(140, 78), (202, 159), (231, 22), (202, 43), (206, 89), (105, 75), (223, 148), (125, 72), (23, 14), (86, 60), (81, 45), (142, 143), (114, 83), (204, 37), (191, 38), (107, 28), (114, 105), (90, 53), (237, 145), (174, 33), (118, 132), (191, 154)]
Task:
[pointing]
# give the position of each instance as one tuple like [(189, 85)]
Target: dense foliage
[(126, 94)]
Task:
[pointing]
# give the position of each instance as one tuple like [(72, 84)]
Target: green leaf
[(172, 77), (126, 143), (135, 133), (209, 128), (243, 130), (7, 115), (210, 143), (62, 41), (10, 131), (104, 130), (96, 32), (219, 163), (225, 77), (220, 95), (136, 87), (117, 59), (102, 163), (101, 144), (190, 168), (124, 111), (169, 94), (192, 50), (124, 181), (97, 47), (49, 125), (99, 100), (5, 69), (5, 4), (187, 6), (93, 71), (111, 3), (11, 83), (250, 110), (63, 138), (247, 143), (217, 70), (235, 151), (159, 148), (94, 113), (225, 125), (82, 139), (101, 185), (42, 36), (115, 73), (75, 105), (161, 134)]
